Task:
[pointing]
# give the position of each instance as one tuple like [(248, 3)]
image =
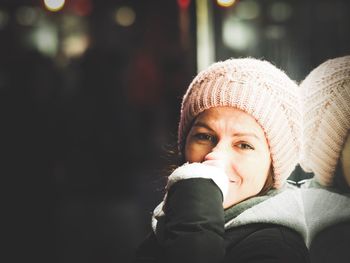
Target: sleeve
[(192, 227), (148, 250)]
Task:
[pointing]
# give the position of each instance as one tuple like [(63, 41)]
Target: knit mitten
[(200, 170)]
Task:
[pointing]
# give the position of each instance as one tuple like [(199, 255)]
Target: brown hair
[(270, 181)]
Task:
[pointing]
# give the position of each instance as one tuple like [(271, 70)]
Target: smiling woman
[(238, 139), (232, 140)]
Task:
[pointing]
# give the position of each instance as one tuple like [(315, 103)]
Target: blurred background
[(90, 98)]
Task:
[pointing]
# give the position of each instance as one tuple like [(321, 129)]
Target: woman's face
[(231, 139)]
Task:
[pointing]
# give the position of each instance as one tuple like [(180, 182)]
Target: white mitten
[(200, 170)]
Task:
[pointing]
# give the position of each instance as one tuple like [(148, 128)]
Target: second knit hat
[(326, 110)]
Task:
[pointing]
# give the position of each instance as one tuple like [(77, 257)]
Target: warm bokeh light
[(184, 24), (81, 7), (225, 3), (183, 4), (75, 45), (125, 16), (54, 5)]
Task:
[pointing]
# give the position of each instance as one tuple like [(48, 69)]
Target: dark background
[(84, 136)]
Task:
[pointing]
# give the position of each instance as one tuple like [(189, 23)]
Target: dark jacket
[(332, 244), (192, 230)]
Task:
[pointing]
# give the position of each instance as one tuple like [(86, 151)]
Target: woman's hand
[(206, 170), (191, 227)]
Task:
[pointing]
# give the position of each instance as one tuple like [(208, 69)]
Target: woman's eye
[(205, 137), (245, 146)]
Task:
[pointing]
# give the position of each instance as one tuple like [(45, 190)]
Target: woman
[(326, 153), (238, 138)]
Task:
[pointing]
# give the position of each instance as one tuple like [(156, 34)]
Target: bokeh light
[(237, 35), (125, 16), (183, 4), (225, 3), (45, 39), (280, 11), (75, 45), (26, 15), (275, 32), (249, 9), (54, 5), (81, 7), (205, 35)]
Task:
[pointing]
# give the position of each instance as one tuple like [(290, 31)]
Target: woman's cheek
[(195, 152)]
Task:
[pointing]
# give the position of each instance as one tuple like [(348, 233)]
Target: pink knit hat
[(259, 89), (326, 106)]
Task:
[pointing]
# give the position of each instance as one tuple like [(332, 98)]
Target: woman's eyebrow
[(237, 134), (202, 124), (249, 134)]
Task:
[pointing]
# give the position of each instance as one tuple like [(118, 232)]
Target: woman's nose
[(221, 157), (215, 155), (219, 152)]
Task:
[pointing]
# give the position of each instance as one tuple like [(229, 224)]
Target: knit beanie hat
[(326, 117), (258, 88)]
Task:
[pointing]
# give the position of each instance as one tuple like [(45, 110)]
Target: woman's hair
[(173, 158), (269, 183), (339, 181)]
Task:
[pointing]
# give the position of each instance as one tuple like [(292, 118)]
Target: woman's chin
[(228, 203)]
